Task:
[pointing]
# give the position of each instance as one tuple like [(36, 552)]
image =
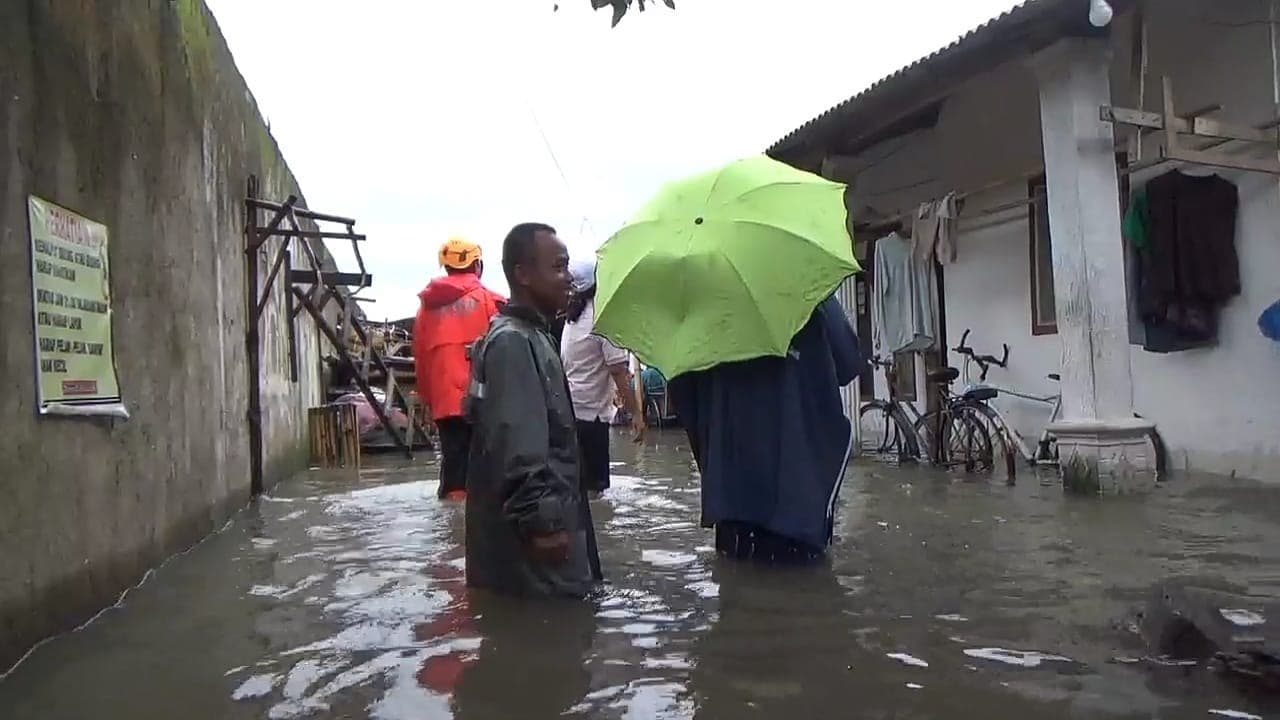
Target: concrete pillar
[(1100, 443)]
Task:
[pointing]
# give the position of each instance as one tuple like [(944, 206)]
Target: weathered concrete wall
[(133, 113)]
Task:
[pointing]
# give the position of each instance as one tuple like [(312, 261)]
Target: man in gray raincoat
[(529, 526)]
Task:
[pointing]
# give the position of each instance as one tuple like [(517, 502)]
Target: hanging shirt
[(587, 359), (1191, 225), (1188, 267), (902, 299), (933, 232)]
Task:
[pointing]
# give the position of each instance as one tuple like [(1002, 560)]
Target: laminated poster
[(71, 304)]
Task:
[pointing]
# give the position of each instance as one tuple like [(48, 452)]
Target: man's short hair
[(517, 248)]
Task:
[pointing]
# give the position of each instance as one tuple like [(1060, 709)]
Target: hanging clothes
[(1183, 228), (902, 299), (933, 230)]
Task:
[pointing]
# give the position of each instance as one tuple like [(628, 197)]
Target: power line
[(546, 142)]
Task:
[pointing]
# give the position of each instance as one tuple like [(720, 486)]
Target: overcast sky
[(426, 118)]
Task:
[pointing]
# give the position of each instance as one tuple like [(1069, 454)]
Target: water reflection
[(943, 596), (530, 660)]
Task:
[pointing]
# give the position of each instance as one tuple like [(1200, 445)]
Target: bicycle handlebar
[(984, 361)]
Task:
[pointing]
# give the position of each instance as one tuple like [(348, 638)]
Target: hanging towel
[(933, 231)]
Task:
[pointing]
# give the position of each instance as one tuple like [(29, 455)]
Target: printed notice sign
[(71, 290)]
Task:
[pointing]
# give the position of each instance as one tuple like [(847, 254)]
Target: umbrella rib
[(758, 315)]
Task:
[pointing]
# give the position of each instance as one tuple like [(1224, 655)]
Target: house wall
[(134, 115), (1213, 407)]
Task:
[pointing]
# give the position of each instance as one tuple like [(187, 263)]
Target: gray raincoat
[(523, 478)]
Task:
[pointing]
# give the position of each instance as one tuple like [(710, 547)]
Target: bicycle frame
[(1010, 434)]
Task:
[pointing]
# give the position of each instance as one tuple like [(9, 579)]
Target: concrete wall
[(133, 114), (1216, 408)]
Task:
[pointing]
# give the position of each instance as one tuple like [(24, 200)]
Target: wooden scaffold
[(312, 289)]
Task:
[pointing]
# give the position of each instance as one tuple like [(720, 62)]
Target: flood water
[(944, 597)]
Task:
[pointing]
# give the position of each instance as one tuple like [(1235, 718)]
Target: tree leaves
[(620, 7)]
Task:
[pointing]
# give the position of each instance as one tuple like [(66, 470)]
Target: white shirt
[(587, 359)]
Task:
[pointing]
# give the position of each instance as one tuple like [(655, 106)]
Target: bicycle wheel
[(1001, 443), (926, 428), (883, 431), (965, 440), (969, 443)]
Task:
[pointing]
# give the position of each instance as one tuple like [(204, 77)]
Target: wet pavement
[(945, 597)]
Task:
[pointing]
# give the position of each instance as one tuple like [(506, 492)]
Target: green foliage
[(620, 7)]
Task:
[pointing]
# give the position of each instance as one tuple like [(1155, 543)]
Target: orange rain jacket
[(455, 311)]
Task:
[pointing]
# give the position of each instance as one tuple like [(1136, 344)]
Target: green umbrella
[(723, 266)]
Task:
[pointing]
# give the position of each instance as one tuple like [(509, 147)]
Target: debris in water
[(1235, 714), (915, 686), (1015, 657), (952, 618), (1245, 618), (906, 659)]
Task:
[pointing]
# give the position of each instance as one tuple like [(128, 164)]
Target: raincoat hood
[(443, 290)]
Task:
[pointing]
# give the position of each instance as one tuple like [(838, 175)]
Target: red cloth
[(454, 312)]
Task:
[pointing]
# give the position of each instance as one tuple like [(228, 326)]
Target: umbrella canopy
[(723, 266)]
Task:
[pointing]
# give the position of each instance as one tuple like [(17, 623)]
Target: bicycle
[(896, 435), (955, 433), (1045, 451), (959, 437)]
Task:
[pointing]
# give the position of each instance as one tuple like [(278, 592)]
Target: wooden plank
[(261, 234), (1270, 166), (321, 235), (291, 315), (301, 212), (335, 279), (1197, 126), (1146, 164), (329, 333)]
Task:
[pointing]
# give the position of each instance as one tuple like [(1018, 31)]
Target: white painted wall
[(1217, 409)]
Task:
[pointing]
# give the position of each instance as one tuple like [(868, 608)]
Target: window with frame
[(1044, 317)]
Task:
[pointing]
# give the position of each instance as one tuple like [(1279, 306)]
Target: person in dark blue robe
[(771, 441)]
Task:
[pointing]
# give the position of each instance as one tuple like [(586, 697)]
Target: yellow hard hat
[(458, 253)]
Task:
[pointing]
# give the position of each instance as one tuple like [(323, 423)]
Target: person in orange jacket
[(454, 312)]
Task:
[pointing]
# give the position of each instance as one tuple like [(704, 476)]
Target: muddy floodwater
[(945, 597)]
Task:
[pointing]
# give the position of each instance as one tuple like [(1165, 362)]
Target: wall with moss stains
[(132, 112)]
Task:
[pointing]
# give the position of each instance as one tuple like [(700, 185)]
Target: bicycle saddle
[(943, 376), (980, 393)]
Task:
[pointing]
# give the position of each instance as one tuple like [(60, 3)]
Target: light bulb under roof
[(1100, 13)]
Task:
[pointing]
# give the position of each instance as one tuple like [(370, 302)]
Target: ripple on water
[(704, 589), (255, 686), (1022, 658), (906, 659), (667, 558), (1238, 715)]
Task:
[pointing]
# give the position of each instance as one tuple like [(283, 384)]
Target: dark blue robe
[(770, 435)]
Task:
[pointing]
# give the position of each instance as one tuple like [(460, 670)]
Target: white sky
[(417, 117)]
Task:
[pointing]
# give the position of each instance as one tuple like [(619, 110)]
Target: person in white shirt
[(598, 372)]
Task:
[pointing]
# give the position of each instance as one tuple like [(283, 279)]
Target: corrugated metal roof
[(1020, 30)]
